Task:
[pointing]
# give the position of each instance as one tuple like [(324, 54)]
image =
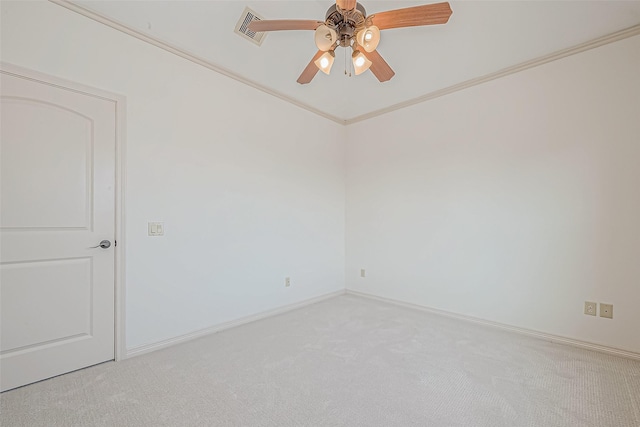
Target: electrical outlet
[(362, 272), (287, 281), (606, 310), (590, 308)]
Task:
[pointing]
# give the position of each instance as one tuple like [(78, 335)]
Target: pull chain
[(345, 62)]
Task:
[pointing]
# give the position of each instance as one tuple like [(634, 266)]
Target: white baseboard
[(147, 348), (536, 334)]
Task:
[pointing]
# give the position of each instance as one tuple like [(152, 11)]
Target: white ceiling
[(481, 37)]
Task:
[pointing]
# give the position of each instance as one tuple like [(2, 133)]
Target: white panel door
[(57, 201)]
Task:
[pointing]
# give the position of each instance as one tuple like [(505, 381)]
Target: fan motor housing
[(346, 23)]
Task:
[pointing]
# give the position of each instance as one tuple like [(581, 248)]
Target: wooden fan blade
[(283, 24), (428, 14), (346, 4), (379, 66), (310, 72)]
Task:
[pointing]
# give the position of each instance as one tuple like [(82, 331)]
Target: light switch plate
[(363, 273), (156, 229), (606, 310), (590, 308)]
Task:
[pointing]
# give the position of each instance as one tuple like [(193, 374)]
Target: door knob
[(104, 245)]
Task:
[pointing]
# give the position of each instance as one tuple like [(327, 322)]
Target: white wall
[(251, 189), (513, 201)]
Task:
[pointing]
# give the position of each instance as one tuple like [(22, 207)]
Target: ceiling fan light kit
[(325, 37), (347, 25), (325, 62), (369, 38), (360, 62)]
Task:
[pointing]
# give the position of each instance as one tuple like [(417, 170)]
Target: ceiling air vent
[(241, 27)]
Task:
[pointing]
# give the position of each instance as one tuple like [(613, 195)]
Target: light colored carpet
[(347, 361)]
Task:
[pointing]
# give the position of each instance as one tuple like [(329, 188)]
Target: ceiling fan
[(347, 25)]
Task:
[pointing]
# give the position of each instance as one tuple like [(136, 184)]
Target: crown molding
[(592, 44), (600, 41), (190, 57)]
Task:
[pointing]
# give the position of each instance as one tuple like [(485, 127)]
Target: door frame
[(120, 343)]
